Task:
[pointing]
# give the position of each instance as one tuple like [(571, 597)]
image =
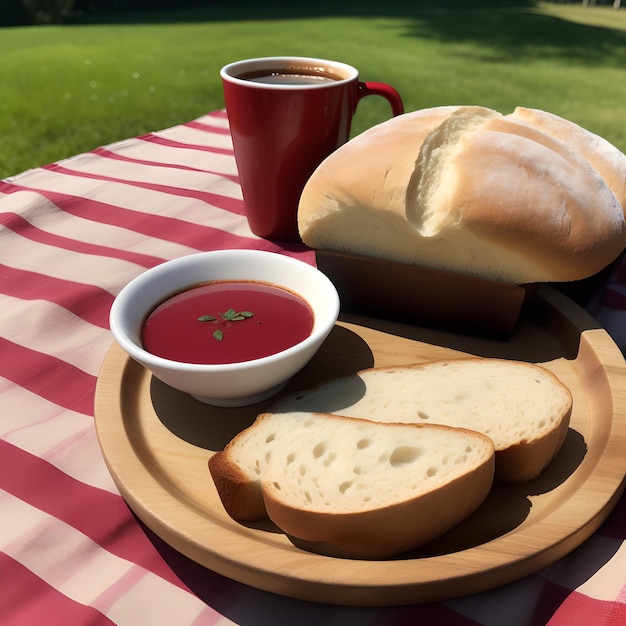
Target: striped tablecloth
[(72, 234)]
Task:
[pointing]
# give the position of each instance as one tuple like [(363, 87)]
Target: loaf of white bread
[(371, 465), (353, 488), (524, 408), (523, 198)]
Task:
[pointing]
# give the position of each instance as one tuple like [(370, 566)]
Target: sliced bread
[(524, 408), (353, 488)]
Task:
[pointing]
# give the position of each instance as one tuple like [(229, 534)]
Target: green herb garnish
[(232, 316), (207, 318), (225, 318)]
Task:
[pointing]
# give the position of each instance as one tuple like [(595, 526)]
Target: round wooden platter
[(157, 441)]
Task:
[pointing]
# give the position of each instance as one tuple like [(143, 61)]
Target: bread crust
[(385, 153), (467, 190), (543, 202), (524, 461), (241, 497), (603, 156)]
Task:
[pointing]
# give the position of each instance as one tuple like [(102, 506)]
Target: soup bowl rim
[(129, 340)]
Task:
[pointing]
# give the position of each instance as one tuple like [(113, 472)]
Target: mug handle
[(384, 90)]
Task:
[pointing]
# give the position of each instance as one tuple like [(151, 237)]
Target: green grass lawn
[(69, 89)]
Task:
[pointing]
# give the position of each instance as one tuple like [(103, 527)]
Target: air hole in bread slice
[(344, 486), (320, 449), (404, 455), (329, 459)]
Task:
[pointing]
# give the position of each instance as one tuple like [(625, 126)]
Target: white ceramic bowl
[(231, 384)]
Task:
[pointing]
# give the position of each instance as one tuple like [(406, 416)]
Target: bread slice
[(524, 408), (467, 190), (353, 488)]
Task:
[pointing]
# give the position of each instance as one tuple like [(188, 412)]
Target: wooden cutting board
[(157, 441)]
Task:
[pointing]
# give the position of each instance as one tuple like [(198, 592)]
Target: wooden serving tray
[(156, 443)]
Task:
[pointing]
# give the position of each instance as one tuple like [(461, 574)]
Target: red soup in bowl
[(227, 322)]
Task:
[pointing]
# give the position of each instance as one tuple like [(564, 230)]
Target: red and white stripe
[(71, 552)]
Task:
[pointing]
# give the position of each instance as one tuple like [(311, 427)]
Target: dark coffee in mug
[(299, 76)]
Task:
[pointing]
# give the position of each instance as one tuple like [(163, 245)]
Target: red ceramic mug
[(286, 115)]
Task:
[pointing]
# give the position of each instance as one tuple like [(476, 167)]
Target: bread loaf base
[(425, 297)]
